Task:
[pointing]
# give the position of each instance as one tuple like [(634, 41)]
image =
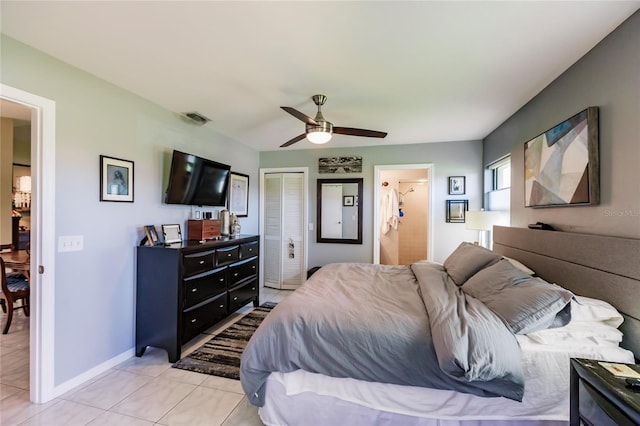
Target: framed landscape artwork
[(561, 165)]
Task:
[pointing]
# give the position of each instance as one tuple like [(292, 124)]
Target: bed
[(358, 354)]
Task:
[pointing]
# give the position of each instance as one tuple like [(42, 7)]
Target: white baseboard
[(90, 374)]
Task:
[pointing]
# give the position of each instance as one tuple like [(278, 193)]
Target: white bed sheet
[(291, 397)]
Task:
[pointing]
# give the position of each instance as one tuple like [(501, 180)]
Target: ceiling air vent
[(196, 118)]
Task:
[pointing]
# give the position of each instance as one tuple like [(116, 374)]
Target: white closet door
[(293, 274), (284, 230), (272, 252)]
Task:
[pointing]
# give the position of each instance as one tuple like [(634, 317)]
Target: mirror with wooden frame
[(339, 211)]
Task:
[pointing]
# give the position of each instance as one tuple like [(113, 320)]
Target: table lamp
[(482, 221)]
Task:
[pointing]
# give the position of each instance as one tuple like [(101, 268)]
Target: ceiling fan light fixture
[(319, 137)]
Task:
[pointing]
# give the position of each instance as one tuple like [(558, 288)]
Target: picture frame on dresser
[(172, 233), (151, 235)]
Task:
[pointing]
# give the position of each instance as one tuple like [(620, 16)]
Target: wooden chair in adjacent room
[(4, 247), (15, 287)]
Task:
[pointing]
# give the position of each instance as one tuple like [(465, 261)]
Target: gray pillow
[(526, 304), (468, 259)]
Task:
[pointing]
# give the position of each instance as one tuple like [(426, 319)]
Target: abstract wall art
[(561, 165)]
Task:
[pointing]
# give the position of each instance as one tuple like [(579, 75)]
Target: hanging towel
[(389, 211)]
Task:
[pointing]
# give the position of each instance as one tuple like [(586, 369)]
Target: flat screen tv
[(196, 181)]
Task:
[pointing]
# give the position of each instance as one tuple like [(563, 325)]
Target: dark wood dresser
[(183, 289)]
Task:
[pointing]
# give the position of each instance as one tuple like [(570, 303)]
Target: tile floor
[(140, 391)]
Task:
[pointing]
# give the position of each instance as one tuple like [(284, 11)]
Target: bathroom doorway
[(402, 230)]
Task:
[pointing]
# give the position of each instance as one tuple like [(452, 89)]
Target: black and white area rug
[(220, 356)]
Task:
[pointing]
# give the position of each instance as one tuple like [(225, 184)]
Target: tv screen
[(197, 181)]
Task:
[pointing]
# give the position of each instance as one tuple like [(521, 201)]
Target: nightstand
[(600, 398)]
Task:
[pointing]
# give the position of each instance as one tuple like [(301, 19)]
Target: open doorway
[(41, 113), (402, 220), (15, 234)]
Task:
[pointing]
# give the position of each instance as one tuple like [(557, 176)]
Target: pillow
[(588, 309), (586, 333), (525, 303), (468, 259), (520, 266)]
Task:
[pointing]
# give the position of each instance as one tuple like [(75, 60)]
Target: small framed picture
[(456, 185), (456, 210), (348, 200), (239, 194), (116, 179), (172, 234), (152, 235)]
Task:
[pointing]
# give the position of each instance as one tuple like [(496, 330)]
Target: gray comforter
[(407, 325)]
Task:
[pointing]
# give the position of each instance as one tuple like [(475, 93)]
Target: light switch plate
[(70, 243)]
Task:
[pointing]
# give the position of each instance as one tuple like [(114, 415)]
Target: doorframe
[(42, 285), (305, 209), (377, 184)]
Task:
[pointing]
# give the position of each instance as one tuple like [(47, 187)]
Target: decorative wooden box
[(203, 229)]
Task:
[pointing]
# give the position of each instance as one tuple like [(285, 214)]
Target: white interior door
[(293, 230), (283, 229), (331, 211), (272, 229)]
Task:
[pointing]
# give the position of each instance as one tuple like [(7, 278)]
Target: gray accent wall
[(449, 159), (95, 287), (607, 77)]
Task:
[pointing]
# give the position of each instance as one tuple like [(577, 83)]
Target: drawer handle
[(202, 262), (221, 280), (250, 249), (253, 267), (193, 290), (193, 320), (253, 289), (222, 306), (235, 298), (228, 254), (235, 275)]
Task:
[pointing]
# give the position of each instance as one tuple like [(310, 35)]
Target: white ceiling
[(422, 71)]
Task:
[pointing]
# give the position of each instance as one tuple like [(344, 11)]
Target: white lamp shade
[(24, 184), (319, 137), (482, 220)]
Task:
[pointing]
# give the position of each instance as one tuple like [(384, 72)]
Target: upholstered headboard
[(606, 268)]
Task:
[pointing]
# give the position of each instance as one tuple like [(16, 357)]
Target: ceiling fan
[(319, 131)]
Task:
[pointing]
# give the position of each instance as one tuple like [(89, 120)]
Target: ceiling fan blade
[(294, 140), (359, 132), (300, 116)]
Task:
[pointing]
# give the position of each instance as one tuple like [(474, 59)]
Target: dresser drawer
[(242, 295), (198, 319), (198, 263), (201, 287), (249, 249), (227, 254), (242, 270)]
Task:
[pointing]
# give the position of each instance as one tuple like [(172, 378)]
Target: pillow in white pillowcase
[(588, 309), (579, 333)]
